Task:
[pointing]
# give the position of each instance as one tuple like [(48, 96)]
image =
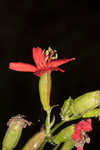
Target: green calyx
[(84, 106), (14, 131), (64, 135), (65, 109), (12, 137), (68, 145), (45, 90), (85, 103)]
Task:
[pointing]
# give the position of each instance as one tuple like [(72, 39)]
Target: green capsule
[(68, 145), (65, 111), (45, 90), (14, 131), (64, 135), (86, 102)]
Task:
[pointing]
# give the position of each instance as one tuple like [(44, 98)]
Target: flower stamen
[(50, 54)]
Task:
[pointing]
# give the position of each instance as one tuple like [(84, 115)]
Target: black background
[(71, 27)]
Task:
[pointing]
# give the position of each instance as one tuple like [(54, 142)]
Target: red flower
[(80, 136), (44, 62)]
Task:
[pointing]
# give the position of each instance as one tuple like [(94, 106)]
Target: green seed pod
[(68, 145), (13, 133), (35, 141), (64, 135), (86, 102), (45, 90), (65, 111)]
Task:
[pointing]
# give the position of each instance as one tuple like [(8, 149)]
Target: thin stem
[(56, 147), (47, 123), (62, 122), (57, 126)]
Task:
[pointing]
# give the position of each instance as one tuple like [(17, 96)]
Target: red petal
[(58, 69), (22, 67), (80, 148), (84, 125), (59, 62), (39, 58)]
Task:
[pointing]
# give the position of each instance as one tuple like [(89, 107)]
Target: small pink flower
[(44, 63), (81, 127), (80, 136)]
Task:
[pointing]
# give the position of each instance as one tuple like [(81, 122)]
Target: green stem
[(62, 122), (50, 132), (56, 147), (47, 123), (57, 126)]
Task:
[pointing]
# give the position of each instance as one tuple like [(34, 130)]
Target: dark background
[(73, 28)]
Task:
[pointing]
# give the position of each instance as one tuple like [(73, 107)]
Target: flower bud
[(64, 135), (35, 141), (85, 103), (65, 111), (45, 90), (13, 133)]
